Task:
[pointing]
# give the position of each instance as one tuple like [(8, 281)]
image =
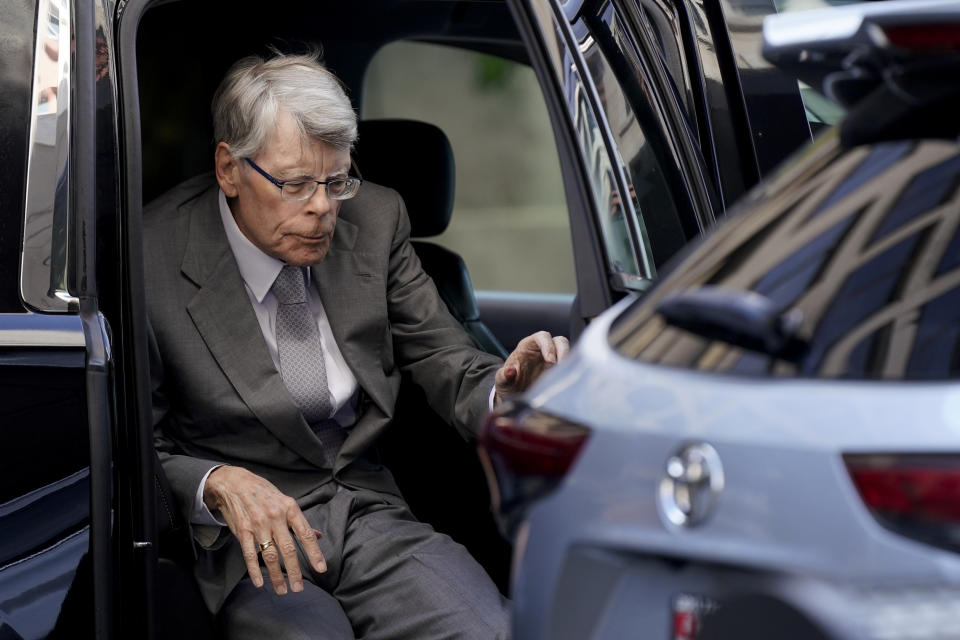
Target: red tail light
[(925, 37), (915, 495), (532, 443), (526, 453)]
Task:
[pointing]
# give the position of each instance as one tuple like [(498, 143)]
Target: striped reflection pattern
[(865, 242)]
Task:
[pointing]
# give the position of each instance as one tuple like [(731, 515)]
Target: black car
[(660, 114)]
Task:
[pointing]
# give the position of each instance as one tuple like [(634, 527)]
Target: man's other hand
[(533, 355), (257, 512)]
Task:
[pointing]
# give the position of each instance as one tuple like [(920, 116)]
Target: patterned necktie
[(301, 359)]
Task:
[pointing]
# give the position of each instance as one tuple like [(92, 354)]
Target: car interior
[(182, 51)]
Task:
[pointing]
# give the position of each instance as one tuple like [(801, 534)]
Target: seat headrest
[(414, 158)]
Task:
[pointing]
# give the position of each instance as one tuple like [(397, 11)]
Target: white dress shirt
[(258, 271)]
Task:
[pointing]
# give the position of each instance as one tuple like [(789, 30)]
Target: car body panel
[(859, 244), (788, 506), (57, 479), (45, 469)]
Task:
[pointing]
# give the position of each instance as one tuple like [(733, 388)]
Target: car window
[(510, 221), (16, 35), (640, 148), (864, 244), (46, 237), (613, 218)]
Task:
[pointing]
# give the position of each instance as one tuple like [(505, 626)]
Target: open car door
[(56, 404)]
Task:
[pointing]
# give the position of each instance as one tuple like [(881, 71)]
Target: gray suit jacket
[(217, 396)]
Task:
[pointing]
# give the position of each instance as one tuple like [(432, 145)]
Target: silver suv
[(767, 443)]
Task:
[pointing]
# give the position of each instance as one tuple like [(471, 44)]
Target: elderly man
[(284, 301)]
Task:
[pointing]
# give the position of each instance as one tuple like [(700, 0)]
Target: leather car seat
[(415, 159)]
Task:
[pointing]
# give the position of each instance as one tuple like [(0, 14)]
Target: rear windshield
[(862, 245)]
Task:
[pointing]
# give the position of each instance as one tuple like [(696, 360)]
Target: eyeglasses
[(300, 190)]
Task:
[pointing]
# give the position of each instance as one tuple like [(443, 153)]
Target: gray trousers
[(388, 576)]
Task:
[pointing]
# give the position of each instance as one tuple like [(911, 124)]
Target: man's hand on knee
[(262, 518)]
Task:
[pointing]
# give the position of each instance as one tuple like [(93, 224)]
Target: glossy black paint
[(774, 108), (16, 52), (43, 413), (44, 488), (746, 116), (655, 186), (658, 53), (676, 34), (46, 577)]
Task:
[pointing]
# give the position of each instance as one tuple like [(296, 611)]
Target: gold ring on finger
[(263, 546)]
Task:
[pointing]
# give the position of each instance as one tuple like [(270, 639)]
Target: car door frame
[(596, 289), (539, 24), (65, 331), (100, 405)]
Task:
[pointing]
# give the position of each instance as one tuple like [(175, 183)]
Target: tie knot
[(289, 287)]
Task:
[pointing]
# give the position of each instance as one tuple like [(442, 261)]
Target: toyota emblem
[(692, 480)]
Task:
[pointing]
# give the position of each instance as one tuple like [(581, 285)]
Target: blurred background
[(510, 217)]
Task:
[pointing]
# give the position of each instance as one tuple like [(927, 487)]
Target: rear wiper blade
[(742, 318)]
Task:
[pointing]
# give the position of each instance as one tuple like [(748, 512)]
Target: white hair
[(255, 90)]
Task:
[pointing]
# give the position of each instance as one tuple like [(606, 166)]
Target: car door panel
[(513, 316), (56, 470), (44, 477), (622, 123), (45, 457)]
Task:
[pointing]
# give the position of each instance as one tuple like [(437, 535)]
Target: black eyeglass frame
[(280, 184)]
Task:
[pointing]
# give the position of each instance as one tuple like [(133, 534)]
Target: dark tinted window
[(16, 52), (864, 243), (634, 122)]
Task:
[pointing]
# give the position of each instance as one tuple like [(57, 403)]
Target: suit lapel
[(223, 316)]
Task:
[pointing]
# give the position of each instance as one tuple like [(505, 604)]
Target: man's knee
[(312, 614), (408, 581)]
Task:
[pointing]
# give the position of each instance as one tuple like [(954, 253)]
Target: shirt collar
[(257, 269)]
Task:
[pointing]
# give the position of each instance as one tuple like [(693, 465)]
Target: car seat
[(415, 159), (438, 472)]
